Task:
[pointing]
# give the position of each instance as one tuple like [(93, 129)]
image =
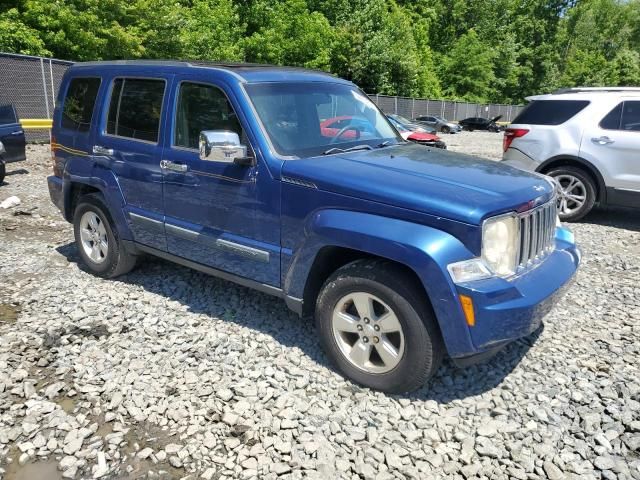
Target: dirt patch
[(8, 313), (41, 470)]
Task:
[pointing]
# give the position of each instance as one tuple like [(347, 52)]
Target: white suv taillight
[(510, 134)]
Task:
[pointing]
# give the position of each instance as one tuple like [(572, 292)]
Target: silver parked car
[(588, 139), (440, 124)]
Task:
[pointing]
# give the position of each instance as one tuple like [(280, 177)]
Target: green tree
[(211, 30), (467, 71), (16, 37), (290, 34)]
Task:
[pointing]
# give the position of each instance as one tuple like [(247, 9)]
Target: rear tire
[(3, 171), (578, 192), (392, 342), (97, 240)]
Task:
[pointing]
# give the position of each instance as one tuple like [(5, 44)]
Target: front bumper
[(506, 310)]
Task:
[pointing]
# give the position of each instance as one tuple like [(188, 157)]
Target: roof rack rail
[(595, 90)]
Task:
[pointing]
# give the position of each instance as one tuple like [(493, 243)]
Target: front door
[(129, 143), (11, 135), (212, 207)]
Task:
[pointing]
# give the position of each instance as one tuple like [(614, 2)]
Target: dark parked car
[(12, 140), (440, 124), (401, 253), (480, 123), (412, 126)]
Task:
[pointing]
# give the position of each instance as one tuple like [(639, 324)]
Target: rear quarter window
[(550, 112), (79, 103), (7, 115)]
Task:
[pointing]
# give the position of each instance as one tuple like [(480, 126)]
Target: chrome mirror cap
[(221, 146)]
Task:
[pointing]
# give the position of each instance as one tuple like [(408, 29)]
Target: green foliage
[(479, 50), (17, 37), (467, 72)]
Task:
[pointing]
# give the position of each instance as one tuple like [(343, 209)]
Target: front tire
[(378, 328), (3, 171), (98, 243), (445, 129), (577, 192)]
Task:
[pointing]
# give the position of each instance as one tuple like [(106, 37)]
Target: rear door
[(11, 134), (613, 145), (128, 143)]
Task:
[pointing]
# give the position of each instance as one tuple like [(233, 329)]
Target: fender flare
[(581, 162), (106, 183), (425, 250)]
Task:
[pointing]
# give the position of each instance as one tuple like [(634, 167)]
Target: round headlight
[(500, 244)]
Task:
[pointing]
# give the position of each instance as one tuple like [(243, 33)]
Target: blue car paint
[(417, 206)]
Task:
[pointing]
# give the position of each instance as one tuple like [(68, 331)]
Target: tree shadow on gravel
[(618, 217), (208, 295)]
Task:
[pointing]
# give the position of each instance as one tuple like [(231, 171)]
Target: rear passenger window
[(550, 112), (612, 120), (135, 108), (631, 116), (79, 103), (202, 107), (7, 115)]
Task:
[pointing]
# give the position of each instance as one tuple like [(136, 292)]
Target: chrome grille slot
[(537, 233)]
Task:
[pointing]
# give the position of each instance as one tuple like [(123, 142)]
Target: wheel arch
[(336, 237), (74, 187), (588, 167)]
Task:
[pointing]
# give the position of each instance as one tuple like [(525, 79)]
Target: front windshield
[(398, 125), (401, 119), (309, 119)]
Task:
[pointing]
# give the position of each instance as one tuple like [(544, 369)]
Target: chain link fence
[(31, 84), (451, 110)]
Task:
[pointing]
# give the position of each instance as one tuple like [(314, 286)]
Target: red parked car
[(355, 127), (423, 138)]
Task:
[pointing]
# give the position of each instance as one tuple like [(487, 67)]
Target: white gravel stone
[(219, 380)]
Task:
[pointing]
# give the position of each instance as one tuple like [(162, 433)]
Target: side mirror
[(223, 146)]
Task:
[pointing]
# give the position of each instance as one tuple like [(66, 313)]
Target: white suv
[(588, 139)]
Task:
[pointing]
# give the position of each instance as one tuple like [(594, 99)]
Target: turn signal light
[(510, 134), (467, 308)]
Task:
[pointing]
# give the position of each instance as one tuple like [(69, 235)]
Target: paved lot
[(168, 373)]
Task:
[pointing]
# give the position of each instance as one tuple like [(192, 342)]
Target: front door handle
[(174, 167), (18, 132), (602, 140), (98, 150)]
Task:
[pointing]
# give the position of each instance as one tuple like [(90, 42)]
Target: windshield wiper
[(386, 143), (350, 149)]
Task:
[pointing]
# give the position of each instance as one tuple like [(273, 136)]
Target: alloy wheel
[(572, 195), (368, 332), (93, 236)]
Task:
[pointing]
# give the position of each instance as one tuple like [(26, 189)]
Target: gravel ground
[(168, 373)]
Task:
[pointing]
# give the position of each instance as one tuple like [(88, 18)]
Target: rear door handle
[(98, 150), (602, 140), (174, 167)]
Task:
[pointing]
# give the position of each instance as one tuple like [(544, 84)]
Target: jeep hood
[(437, 182)]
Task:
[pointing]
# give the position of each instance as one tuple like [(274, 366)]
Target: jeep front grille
[(537, 233)]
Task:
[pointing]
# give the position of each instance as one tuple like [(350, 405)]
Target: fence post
[(413, 108), (53, 88), (395, 101), (44, 87)]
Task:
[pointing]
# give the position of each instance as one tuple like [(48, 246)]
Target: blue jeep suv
[(401, 252)]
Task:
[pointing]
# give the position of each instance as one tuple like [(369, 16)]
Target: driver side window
[(202, 107)]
